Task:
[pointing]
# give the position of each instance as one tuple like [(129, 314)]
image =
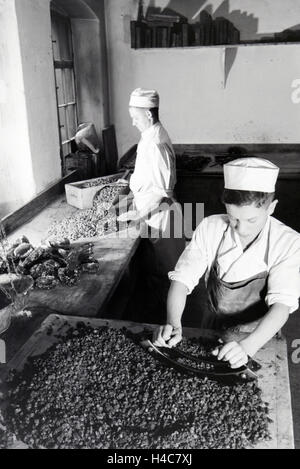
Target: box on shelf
[(81, 194)]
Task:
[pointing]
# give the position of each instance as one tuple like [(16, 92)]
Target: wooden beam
[(25, 213)]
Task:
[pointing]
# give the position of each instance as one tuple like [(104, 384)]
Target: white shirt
[(276, 250), (154, 175)]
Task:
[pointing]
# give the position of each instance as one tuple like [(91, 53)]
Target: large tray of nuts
[(96, 221), (87, 383), (81, 194)]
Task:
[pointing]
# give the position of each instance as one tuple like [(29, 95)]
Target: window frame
[(64, 65)]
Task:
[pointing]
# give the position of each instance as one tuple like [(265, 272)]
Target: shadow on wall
[(245, 22), (186, 8), (230, 56), (291, 34), (208, 27), (202, 25)]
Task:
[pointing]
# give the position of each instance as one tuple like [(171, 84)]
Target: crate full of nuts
[(81, 194)]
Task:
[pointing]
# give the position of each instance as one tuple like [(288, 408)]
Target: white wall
[(16, 172), (29, 144), (255, 106), (271, 15), (37, 61)]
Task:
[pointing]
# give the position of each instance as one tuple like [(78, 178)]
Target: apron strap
[(223, 294), (213, 282)]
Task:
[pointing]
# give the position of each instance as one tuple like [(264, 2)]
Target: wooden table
[(93, 291), (272, 378), (90, 296)]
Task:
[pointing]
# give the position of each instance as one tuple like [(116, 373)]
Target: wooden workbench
[(272, 377), (90, 296), (93, 291)]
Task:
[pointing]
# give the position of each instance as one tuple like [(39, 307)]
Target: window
[(65, 81)]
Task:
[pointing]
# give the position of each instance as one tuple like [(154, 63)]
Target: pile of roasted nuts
[(98, 388), (97, 221), (107, 194), (55, 263), (85, 223), (99, 181)]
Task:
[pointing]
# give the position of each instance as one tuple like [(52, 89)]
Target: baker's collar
[(231, 249), (149, 132)]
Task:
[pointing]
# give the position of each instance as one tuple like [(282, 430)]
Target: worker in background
[(250, 260), (152, 185)]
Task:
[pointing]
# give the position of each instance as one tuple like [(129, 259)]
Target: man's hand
[(167, 336), (232, 352), (131, 215)]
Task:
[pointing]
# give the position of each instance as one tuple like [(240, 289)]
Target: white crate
[(82, 197)]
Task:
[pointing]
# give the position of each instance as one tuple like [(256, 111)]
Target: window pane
[(62, 124), (59, 86), (61, 34), (64, 40), (65, 80), (66, 149), (69, 85), (55, 48), (72, 123), (55, 41)]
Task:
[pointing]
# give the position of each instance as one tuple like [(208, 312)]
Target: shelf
[(226, 46)]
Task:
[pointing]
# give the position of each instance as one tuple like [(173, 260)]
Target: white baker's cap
[(251, 174), (144, 98)]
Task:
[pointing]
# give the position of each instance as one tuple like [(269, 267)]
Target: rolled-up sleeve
[(193, 262), (284, 279)]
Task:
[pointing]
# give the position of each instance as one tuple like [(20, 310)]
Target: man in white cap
[(250, 261), (152, 185)]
